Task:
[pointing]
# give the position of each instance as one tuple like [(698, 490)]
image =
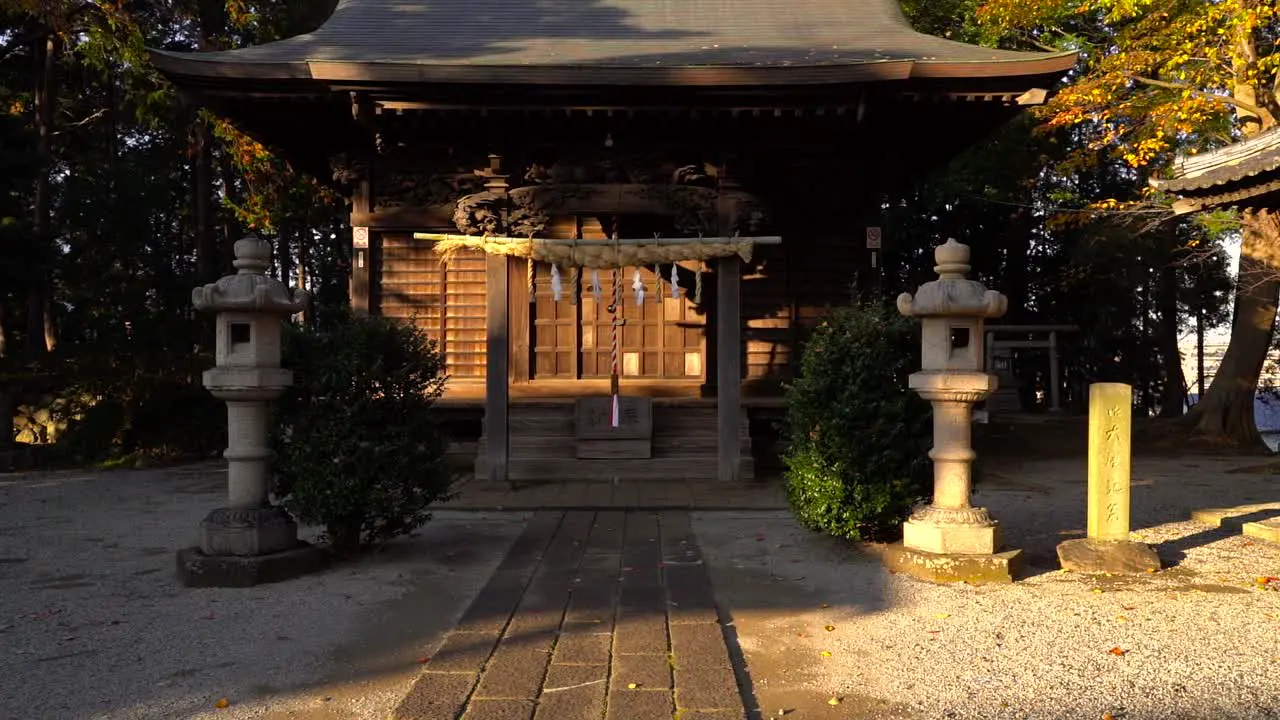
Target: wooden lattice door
[(662, 338), (445, 299)]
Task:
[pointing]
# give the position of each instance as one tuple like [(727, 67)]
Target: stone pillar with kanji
[(248, 541), (1107, 547), (950, 540)]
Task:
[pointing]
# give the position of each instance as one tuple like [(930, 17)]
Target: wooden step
[(543, 447)]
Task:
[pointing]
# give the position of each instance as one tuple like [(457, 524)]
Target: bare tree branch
[(16, 41), (81, 123), (1268, 119), (1042, 46)]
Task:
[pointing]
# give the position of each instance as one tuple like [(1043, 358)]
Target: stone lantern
[(250, 541), (949, 539)]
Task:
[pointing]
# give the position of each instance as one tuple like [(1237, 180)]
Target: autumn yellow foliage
[(1157, 77)]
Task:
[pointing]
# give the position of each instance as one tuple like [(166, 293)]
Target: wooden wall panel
[(767, 331), (447, 300)]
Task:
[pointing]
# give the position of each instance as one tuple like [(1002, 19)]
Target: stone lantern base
[(242, 547), (1001, 567), (953, 545)]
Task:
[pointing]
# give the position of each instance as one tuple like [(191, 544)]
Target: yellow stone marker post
[(1107, 548), (1110, 437)]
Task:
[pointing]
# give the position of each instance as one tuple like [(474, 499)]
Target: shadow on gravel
[(1173, 552)]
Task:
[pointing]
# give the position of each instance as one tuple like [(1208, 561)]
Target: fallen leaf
[(632, 686), (834, 701), (1151, 571), (1108, 716), (1097, 591), (221, 704), (942, 616), (829, 628), (1117, 651), (1121, 618), (825, 653)]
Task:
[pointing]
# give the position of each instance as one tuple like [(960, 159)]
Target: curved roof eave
[(197, 68)]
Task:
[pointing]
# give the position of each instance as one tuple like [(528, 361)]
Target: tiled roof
[(513, 40), (1234, 163)]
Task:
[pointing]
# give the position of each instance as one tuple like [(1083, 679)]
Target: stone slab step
[(654, 469)]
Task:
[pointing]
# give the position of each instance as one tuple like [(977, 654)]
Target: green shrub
[(358, 449), (859, 438), (154, 419)]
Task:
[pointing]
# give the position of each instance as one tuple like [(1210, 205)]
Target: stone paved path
[(591, 615), (475, 494)]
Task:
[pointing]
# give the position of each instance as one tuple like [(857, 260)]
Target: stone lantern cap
[(953, 294), (251, 289)]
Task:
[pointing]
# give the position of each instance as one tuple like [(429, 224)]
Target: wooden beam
[(407, 218), (728, 365), (520, 329), (1032, 328), (661, 241), (361, 288), (496, 370)]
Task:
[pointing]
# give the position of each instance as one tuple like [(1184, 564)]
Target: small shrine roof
[(612, 42), (1230, 175)]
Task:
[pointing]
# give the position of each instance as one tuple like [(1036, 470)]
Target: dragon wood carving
[(694, 210)]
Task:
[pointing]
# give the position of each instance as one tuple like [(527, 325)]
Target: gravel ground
[(1198, 640), (93, 623)]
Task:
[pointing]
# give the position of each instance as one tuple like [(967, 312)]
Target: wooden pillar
[(361, 286), (728, 365), (496, 357)]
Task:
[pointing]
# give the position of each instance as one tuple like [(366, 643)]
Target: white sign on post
[(873, 238), (360, 237)]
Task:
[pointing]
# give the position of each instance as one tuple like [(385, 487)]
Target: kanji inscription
[(1110, 413), (594, 418)]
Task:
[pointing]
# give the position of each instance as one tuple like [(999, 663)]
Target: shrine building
[(643, 199)]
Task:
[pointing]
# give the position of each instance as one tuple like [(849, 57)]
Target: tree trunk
[(40, 335), (230, 226), (1017, 245), (284, 255), (304, 257), (1173, 395), (206, 250), (1225, 413)]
